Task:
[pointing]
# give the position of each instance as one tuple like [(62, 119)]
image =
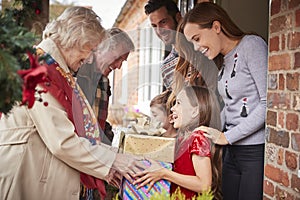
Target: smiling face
[(112, 59), (76, 57), (205, 40), (116, 64), (160, 115), (184, 114), (164, 25)]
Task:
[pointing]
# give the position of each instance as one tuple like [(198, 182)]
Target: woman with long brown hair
[(242, 83)]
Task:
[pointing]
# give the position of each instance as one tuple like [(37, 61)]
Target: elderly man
[(93, 80), (93, 76)]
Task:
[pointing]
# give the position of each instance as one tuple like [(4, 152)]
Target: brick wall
[(283, 133)]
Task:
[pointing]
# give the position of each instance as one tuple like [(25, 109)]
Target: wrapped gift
[(154, 147), (129, 191)]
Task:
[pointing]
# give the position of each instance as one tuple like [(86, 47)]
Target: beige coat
[(40, 153)]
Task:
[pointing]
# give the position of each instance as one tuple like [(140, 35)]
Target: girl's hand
[(150, 175), (215, 135)]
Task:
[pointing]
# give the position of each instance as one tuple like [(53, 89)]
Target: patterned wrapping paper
[(129, 191), (154, 147)]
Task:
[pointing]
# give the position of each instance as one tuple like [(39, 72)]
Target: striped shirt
[(168, 67)]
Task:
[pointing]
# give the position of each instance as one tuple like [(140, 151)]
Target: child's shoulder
[(198, 136), (200, 144)]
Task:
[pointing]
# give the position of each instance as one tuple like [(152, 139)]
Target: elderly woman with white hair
[(48, 145)]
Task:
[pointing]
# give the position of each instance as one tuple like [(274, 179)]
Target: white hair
[(75, 27)]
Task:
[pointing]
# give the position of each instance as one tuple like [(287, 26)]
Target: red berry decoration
[(37, 11)]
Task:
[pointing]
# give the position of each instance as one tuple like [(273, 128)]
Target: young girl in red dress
[(197, 162)]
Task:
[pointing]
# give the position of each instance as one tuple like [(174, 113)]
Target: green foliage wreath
[(15, 41)]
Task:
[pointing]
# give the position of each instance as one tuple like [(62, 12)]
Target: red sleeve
[(200, 145)]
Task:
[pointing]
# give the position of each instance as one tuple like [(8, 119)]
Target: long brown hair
[(186, 70), (204, 102), (205, 13)]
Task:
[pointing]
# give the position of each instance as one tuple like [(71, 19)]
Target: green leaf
[(10, 82), (15, 41)]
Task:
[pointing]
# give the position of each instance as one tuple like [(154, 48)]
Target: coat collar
[(50, 47)]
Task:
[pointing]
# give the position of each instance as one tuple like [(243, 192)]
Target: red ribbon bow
[(31, 78)]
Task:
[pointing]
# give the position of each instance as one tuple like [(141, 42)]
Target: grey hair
[(75, 27), (114, 37)]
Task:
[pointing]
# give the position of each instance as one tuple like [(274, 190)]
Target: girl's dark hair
[(216, 164), (204, 101)]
